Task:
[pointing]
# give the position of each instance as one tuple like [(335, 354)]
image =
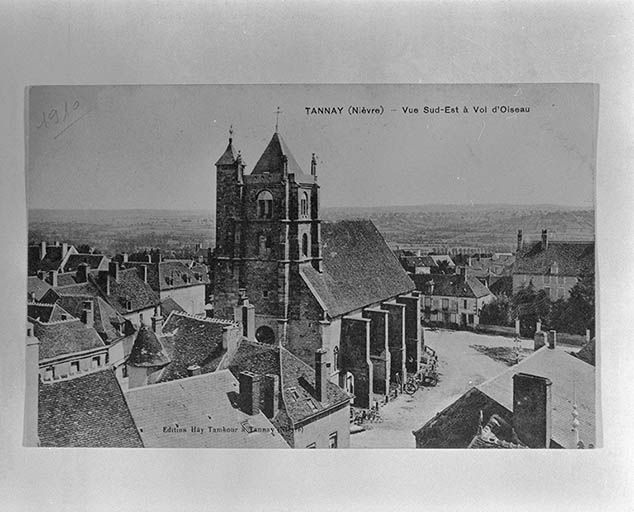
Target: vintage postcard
[(311, 266)]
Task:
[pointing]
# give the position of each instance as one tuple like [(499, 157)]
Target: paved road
[(460, 367)]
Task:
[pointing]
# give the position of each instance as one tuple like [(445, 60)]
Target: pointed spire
[(277, 118), (229, 156)]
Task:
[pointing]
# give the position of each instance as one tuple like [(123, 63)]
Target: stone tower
[(267, 227)]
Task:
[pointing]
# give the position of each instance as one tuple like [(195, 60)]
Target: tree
[(497, 312), (530, 306), (576, 314)]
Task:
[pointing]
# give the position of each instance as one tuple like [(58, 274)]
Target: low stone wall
[(499, 330)]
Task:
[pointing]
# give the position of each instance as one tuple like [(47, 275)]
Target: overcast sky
[(155, 146)]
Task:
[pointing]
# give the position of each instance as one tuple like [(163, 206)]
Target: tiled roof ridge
[(55, 322), (177, 381), (203, 318)]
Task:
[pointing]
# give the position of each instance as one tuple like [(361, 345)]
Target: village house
[(545, 401), (124, 290), (452, 299), (552, 266), (184, 284), (68, 346), (315, 285)]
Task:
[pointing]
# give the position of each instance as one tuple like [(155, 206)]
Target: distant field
[(491, 227)]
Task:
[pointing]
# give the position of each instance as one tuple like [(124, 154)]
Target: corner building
[(339, 289)]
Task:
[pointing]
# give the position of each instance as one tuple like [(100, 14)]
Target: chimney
[(463, 274), (88, 313), (552, 339), (64, 249), (544, 239), (52, 276), (82, 273), (532, 408), (113, 270), (144, 273), (587, 335), (271, 395), (321, 375), (31, 388), (31, 296), (250, 392), (244, 314), (313, 165), (42, 250), (538, 328), (124, 257), (519, 240), (193, 370), (517, 326), (108, 283), (157, 322)]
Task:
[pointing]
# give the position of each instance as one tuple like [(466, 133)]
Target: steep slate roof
[(47, 312), (295, 377), (94, 261), (588, 352), (147, 350), (451, 285), (106, 319), (36, 286), (130, 287), (168, 275), (64, 337), (229, 156), (570, 378), (168, 304), (86, 411), (359, 268), (51, 261), (208, 400), (189, 340), (571, 258), (457, 424), (272, 160)]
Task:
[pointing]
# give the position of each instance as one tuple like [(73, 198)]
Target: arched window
[(265, 205), (335, 359), (303, 205), (305, 244), (265, 334)]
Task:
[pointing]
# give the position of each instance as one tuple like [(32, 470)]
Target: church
[(319, 289)]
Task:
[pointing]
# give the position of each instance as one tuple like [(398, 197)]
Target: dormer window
[(303, 205), (265, 205)]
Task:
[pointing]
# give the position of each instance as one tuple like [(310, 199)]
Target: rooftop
[(86, 411), (572, 380), (297, 379), (572, 258), (64, 337), (208, 401), (191, 340), (273, 157), (451, 285), (359, 268)]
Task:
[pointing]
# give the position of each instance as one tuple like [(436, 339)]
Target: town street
[(460, 367)]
